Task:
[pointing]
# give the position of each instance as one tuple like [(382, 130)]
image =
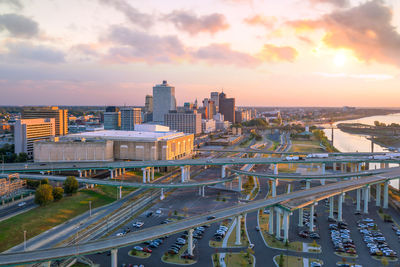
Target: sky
[(263, 53)]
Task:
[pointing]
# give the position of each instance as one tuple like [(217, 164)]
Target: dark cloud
[(337, 3), (223, 54), (365, 29), (139, 46), (26, 52), (19, 26), (134, 15), (13, 3), (191, 23)]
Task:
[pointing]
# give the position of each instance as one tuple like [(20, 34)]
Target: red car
[(146, 249)]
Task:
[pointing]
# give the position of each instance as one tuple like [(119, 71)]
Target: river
[(346, 142)]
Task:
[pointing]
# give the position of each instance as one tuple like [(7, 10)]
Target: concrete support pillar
[(187, 173), (271, 221), (323, 170), (358, 208), (385, 194), (278, 224), (203, 191), (144, 175), (285, 226), (276, 169), (148, 175), (223, 171), (190, 242), (111, 174), (334, 166), (120, 192), (273, 188), (378, 195), (183, 169), (90, 172), (162, 194), (340, 207), (239, 182), (85, 173), (312, 218), (199, 191), (366, 199), (80, 173), (123, 170), (116, 172), (369, 193), (238, 232), (386, 165), (152, 173), (300, 217), (331, 203), (308, 184), (114, 257)]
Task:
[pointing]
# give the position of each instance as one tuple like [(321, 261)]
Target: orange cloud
[(267, 22), (272, 53), (365, 29)]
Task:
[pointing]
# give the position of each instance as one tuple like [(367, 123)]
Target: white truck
[(319, 156)]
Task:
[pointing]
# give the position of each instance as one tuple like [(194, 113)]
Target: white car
[(158, 212), (138, 224), (21, 204), (120, 234)]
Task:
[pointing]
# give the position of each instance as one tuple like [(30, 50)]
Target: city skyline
[(310, 53)]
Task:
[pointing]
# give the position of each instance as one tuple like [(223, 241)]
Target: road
[(14, 208)]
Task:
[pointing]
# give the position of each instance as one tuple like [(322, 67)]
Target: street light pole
[(90, 208), (24, 240), (2, 165)]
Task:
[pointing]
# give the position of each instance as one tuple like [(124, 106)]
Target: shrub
[(71, 185), (44, 194), (58, 193)]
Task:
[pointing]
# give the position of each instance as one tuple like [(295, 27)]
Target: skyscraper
[(60, 116), (112, 119), (209, 108), (227, 107), (163, 101), (130, 117), (215, 97), (187, 122), (148, 104)]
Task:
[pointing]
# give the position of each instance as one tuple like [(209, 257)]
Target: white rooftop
[(128, 135)]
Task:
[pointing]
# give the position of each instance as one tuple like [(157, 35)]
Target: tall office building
[(60, 116), (227, 107), (187, 122), (112, 118), (28, 131), (163, 101), (214, 96), (130, 117), (209, 108), (148, 104)]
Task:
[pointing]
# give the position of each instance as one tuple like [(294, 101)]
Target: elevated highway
[(292, 201), (77, 166)]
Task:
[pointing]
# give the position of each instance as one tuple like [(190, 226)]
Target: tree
[(44, 181), (58, 193), (70, 185), (44, 194), (281, 260), (384, 261), (22, 157)]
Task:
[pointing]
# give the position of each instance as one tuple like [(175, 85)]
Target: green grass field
[(41, 219)]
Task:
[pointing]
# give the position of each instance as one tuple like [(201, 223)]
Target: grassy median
[(41, 219)]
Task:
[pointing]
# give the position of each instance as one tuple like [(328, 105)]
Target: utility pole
[(90, 208), (24, 240)]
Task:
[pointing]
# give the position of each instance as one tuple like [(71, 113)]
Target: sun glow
[(340, 59)]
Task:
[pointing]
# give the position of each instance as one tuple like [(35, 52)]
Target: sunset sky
[(264, 53)]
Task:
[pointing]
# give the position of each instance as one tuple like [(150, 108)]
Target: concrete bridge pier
[(323, 169), (185, 173), (111, 174), (239, 183), (144, 175), (340, 207), (199, 191), (369, 193), (238, 232), (358, 208), (152, 173), (120, 191), (308, 184), (334, 167), (162, 194), (312, 217), (378, 195), (271, 221), (273, 192), (148, 170), (278, 223), (79, 171), (223, 171), (276, 169), (85, 173), (385, 194), (331, 203), (300, 217), (366, 199), (285, 225), (203, 191), (114, 257), (190, 242)]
